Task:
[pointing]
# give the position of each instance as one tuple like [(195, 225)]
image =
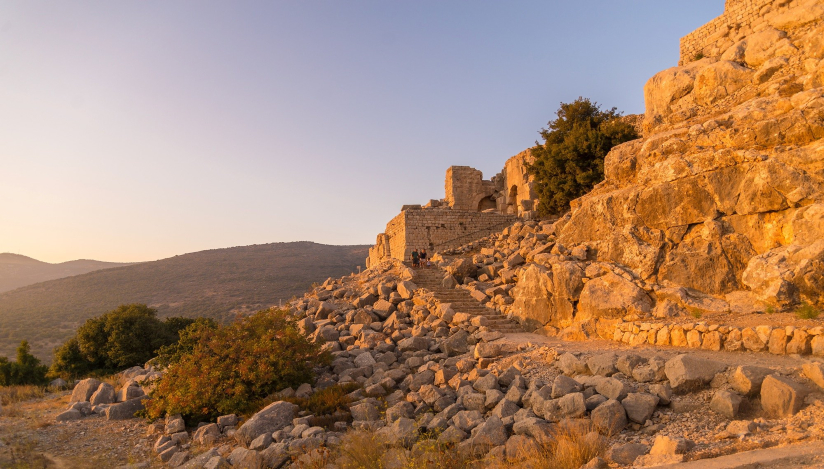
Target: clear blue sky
[(137, 130)]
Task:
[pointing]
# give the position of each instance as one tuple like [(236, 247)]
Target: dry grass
[(13, 394), (572, 446), (20, 454)]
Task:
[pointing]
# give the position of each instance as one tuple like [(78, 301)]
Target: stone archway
[(487, 203), (512, 201)]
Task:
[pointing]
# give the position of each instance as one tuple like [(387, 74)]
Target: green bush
[(232, 368), (571, 160), (127, 336), (188, 338), (25, 371), (807, 311)]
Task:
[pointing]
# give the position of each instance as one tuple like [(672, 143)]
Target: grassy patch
[(807, 311), (696, 313)]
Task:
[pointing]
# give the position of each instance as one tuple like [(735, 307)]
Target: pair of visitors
[(415, 258)]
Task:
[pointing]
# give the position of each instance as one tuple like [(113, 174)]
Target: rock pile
[(90, 396)]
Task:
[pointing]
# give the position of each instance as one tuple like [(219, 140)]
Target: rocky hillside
[(216, 283), (18, 271), (724, 196)]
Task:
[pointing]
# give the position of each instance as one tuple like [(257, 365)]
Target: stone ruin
[(471, 209), (510, 192)]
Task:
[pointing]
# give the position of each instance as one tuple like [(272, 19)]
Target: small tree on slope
[(570, 162)]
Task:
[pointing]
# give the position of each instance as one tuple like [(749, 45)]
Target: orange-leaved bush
[(232, 368)]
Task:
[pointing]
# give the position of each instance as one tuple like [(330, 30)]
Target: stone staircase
[(461, 301)]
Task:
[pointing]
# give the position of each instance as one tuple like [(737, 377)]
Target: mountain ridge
[(217, 283), (17, 270)]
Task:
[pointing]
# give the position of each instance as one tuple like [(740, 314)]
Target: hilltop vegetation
[(18, 271), (571, 160), (217, 283)]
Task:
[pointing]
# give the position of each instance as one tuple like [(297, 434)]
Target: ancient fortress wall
[(433, 229), (740, 18)]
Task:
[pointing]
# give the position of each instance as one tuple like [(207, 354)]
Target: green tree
[(26, 370), (127, 336), (570, 161)]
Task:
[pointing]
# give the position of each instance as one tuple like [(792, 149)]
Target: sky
[(138, 130)]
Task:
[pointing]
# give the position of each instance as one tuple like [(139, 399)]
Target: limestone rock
[(815, 373), (609, 418), (782, 397), (125, 410), (627, 453), (104, 395), (687, 373), (747, 379), (270, 419), (612, 296), (84, 389), (726, 403), (640, 406)]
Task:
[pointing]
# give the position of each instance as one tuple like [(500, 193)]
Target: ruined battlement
[(740, 19), (472, 208)]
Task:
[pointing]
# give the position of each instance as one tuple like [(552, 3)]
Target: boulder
[(69, 415), (207, 434), (125, 410), (84, 389), (609, 418), (462, 268), (491, 433), (564, 385), (726, 403), (612, 388), (747, 379), (612, 296), (104, 395), (640, 406), (687, 373), (815, 373), (270, 419), (406, 289), (782, 397), (603, 364), (627, 453), (245, 459)]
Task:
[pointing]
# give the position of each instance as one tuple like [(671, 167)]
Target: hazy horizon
[(136, 131)]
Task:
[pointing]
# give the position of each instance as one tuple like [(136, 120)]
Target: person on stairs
[(423, 258), (414, 258)]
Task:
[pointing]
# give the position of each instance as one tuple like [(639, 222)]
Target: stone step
[(461, 301)]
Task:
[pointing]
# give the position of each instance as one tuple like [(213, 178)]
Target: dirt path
[(30, 437), (646, 350)]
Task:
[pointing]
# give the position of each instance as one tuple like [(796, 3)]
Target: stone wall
[(466, 189), (740, 18), (433, 229)]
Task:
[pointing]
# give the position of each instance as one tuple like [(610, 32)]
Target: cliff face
[(724, 192)]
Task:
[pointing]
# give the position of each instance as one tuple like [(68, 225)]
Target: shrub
[(571, 160), (188, 337), (27, 370), (127, 336), (326, 401), (807, 311), (232, 368)]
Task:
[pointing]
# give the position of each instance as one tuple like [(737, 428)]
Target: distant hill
[(216, 283), (18, 271)]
